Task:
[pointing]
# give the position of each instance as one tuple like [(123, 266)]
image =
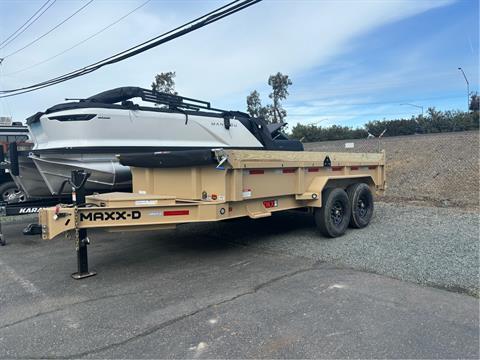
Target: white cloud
[(218, 63)]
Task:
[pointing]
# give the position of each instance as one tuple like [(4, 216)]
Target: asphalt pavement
[(231, 290)]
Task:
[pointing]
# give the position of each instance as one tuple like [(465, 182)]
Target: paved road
[(189, 293)]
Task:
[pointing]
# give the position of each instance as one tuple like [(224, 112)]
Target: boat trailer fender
[(314, 192)]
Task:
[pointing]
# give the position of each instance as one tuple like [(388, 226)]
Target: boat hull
[(29, 178), (106, 173)]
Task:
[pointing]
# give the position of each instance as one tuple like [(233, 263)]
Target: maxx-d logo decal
[(110, 215)]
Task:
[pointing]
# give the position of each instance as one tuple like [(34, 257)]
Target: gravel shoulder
[(427, 245)]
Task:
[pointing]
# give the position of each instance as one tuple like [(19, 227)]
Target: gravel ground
[(427, 245)]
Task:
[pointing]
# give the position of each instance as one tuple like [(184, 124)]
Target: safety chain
[(77, 236)]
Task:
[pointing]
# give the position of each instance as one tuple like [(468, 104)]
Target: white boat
[(90, 133)]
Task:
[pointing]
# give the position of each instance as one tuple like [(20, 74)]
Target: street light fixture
[(468, 88), (417, 106), (317, 122)]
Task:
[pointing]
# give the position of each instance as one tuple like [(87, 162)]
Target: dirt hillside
[(438, 168)]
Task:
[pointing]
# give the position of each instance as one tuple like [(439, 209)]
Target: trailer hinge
[(327, 162)]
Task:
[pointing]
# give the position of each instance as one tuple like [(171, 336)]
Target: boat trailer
[(170, 189)]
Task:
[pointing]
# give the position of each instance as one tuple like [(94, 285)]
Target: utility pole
[(468, 88)]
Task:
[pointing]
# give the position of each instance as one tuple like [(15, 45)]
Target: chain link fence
[(438, 168), (353, 146)]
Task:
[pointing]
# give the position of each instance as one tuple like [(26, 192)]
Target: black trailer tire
[(11, 189), (333, 217), (361, 202)]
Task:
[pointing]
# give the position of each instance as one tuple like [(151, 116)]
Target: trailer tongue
[(202, 185)]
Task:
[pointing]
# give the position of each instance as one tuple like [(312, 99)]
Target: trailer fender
[(313, 195)]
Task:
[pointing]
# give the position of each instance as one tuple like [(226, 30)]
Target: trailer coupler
[(33, 229)]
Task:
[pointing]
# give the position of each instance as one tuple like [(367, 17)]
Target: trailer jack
[(82, 256), (79, 178)]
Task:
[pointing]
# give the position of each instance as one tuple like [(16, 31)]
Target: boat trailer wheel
[(336, 213), (11, 194)]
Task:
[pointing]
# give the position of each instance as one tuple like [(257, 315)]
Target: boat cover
[(116, 95), (169, 159)]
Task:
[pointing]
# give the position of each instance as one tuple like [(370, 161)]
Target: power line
[(20, 31), (80, 42), (204, 20), (181, 30), (48, 32)]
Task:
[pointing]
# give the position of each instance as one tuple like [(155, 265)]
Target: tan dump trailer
[(219, 184)]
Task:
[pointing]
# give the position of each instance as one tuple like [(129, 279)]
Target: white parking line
[(27, 285)]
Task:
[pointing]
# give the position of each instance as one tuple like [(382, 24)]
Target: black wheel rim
[(363, 205), (13, 196), (337, 212)]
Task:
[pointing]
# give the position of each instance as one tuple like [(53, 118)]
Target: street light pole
[(468, 88)]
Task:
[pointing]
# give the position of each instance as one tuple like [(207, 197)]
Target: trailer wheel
[(361, 203), (333, 217), (10, 193)]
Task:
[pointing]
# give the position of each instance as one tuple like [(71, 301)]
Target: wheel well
[(345, 183)]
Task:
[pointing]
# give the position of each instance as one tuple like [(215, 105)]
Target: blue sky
[(350, 61)]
